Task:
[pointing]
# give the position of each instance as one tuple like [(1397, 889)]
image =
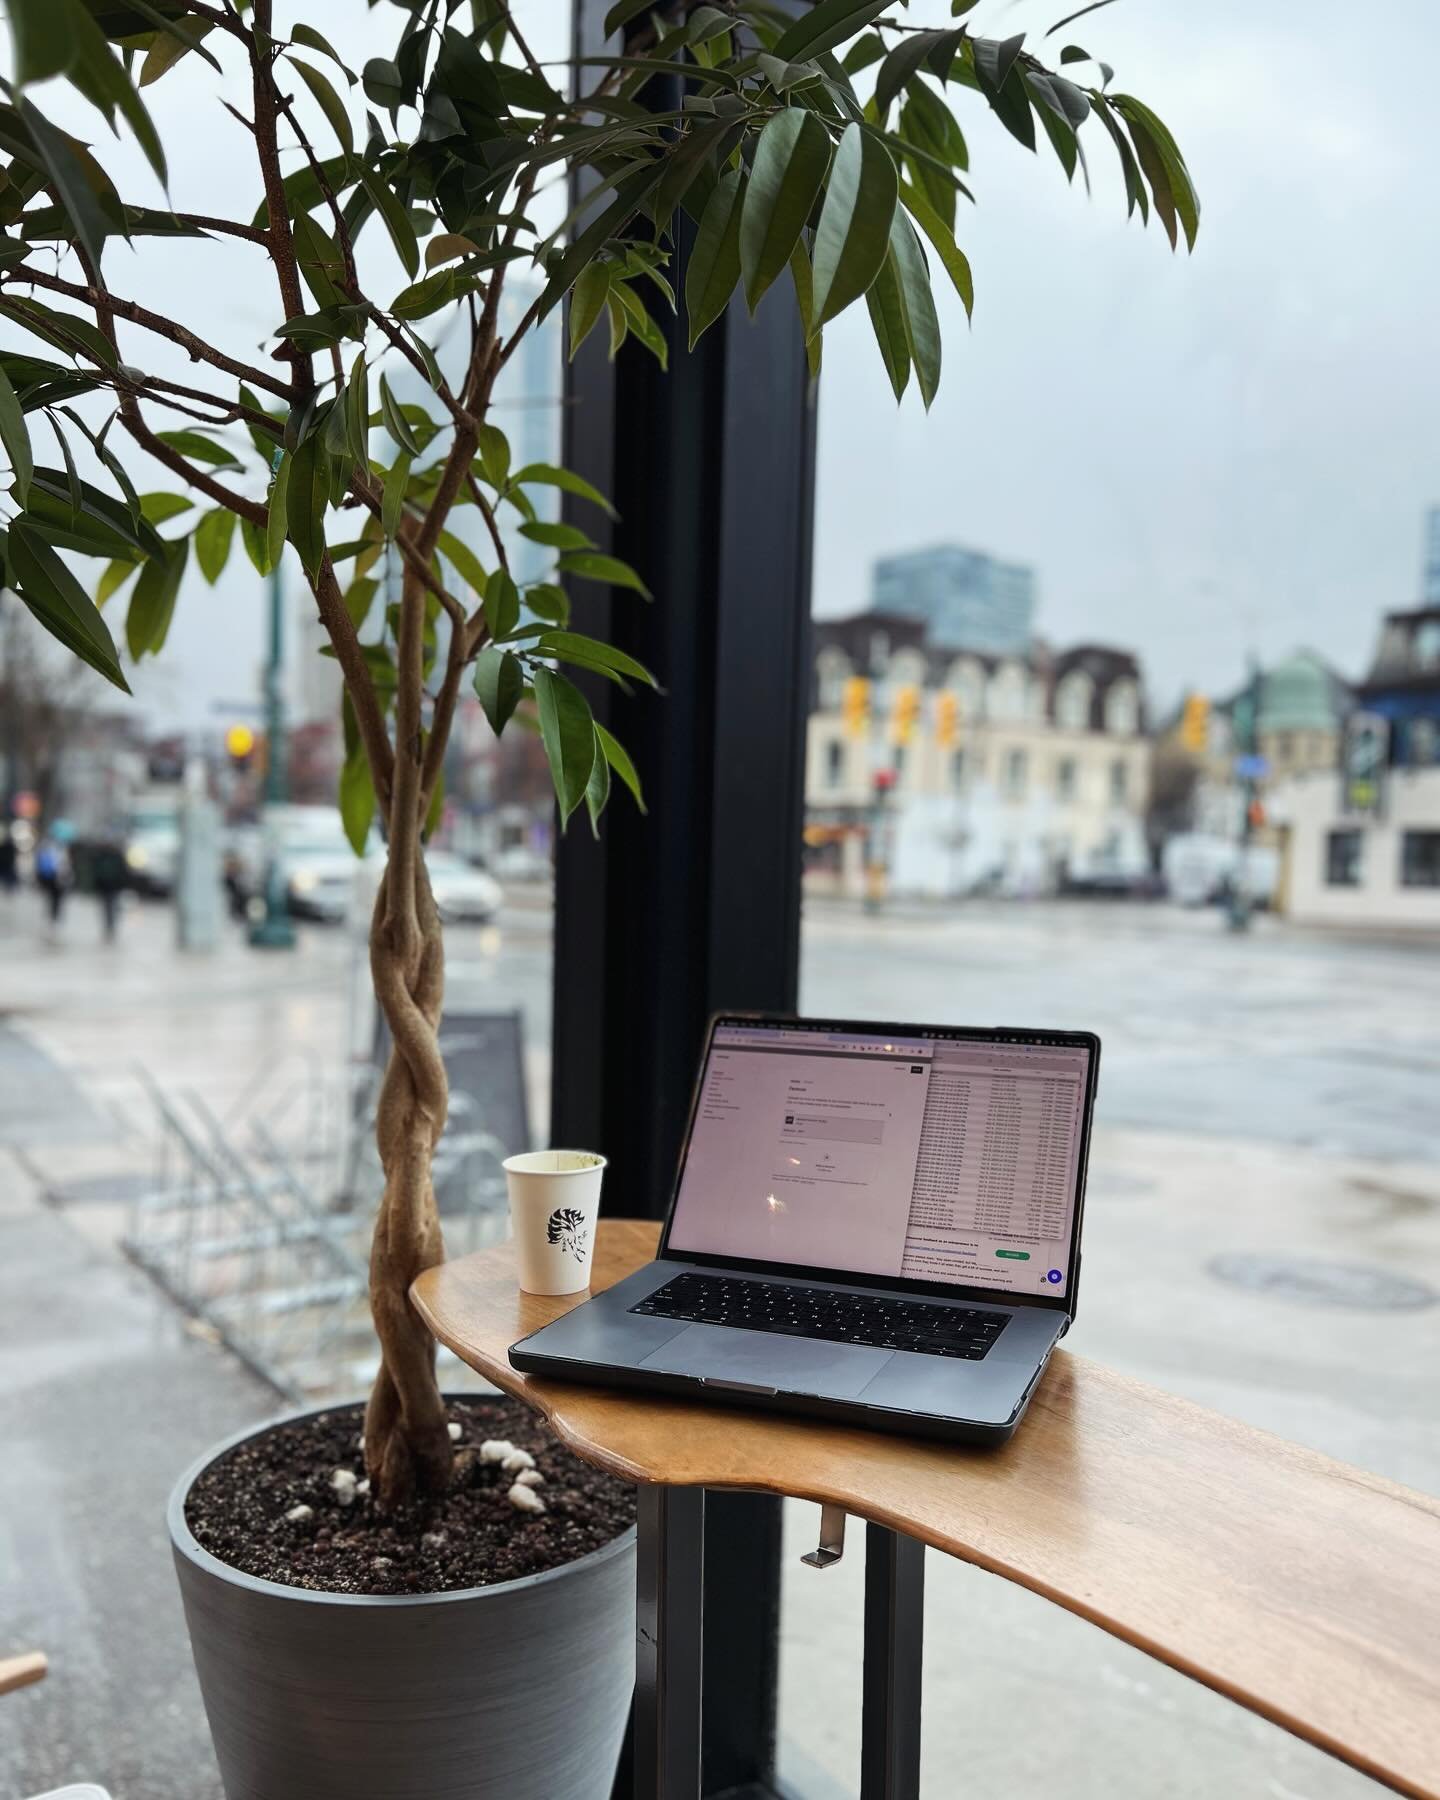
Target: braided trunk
[(407, 1446)]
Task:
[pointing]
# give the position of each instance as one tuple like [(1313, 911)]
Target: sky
[(1201, 456)]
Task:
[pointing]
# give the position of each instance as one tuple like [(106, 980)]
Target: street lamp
[(274, 931)]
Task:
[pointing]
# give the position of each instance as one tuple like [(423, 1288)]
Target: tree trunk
[(407, 1446)]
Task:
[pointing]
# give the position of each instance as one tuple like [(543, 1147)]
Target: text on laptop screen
[(929, 1158)]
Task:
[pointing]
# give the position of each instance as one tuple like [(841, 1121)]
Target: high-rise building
[(967, 599)]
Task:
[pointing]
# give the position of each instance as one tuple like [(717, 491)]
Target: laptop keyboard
[(879, 1320)]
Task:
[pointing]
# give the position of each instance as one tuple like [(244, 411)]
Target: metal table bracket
[(832, 1539)]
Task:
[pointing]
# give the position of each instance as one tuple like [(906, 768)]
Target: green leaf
[(910, 55), (276, 522), (383, 83), (312, 40), (852, 238), (357, 410), (199, 448), (641, 324), (587, 302), (590, 565), (791, 158), (1164, 168), (619, 760), (359, 597), (448, 246), (44, 44), (428, 296), (568, 733), (499, 685), (573, 645), (256, 546), (887, 319), (548, 602), (392, 501), (804, 281), (824, 26), (157, 508), (329, 103), (1070, 18), (152, 605), (714, 265), (213, 536), (548, 475), (81, 203), (922, 328), (91, 64), (357, 799), (557, 536), (55, 597), (307, 496), (395, 421), (957, 265), (994, 60), (397, 220), (16, 438), (597, 788), (435, 811), (464, 561), (501, 604), (112, 579), (494, 448)]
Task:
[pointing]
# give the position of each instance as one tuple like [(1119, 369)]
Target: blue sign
[(1251, 768)]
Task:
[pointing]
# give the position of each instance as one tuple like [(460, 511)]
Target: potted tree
[(816, 146)]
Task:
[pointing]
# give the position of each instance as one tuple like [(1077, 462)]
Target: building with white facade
[(968, 772), (1361, 842)]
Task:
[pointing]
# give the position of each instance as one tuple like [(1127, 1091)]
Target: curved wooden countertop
[(1303, 1589)]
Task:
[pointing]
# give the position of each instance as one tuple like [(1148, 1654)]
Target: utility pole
[(1250, 767), (274, 931)]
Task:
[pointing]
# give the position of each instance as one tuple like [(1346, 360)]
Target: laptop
[(872, 1223)]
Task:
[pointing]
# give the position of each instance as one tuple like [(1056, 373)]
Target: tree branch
[(196, 348), (369, 719), (252, 234), (267, 144)]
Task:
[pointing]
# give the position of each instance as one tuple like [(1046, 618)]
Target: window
[(832, 670), (1343, 856), (1420, 859), (899, 762), (1427, 644), (835, 763), (1119, 781), (1423, 739), (966, 677), (1065, 778), (1122, 709), (1016, 771), (1007, 692), (1072, 701)]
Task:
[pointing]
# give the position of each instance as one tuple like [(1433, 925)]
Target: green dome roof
[(1298, 695)]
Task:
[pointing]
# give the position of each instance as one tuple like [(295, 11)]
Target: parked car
[(319, 878), (152, 845), (462, 892)]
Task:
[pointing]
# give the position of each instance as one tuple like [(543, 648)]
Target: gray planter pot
[(519, 1690)]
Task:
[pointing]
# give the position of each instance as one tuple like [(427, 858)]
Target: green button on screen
[(1015, 1255)]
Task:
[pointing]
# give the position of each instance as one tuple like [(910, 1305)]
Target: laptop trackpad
[(769, 1359)]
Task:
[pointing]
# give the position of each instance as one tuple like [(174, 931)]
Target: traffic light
[(904, 713), (855, 706), (1195, 723), (240, 745), (947, 719)]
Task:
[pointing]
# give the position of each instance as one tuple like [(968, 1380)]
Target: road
[(1263, 1098)]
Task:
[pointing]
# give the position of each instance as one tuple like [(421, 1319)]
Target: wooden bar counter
[(1301, 1588)]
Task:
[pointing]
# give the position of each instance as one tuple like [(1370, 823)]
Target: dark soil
[(471, 1536)]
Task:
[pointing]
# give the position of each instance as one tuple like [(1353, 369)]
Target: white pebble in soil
[(300, 1515), (363, 1487), (380, 1564), (344, 1483), (434, 1541), (531, 1478), (525, 1499), (495, 1450), (516, 1460), (455, 1432)]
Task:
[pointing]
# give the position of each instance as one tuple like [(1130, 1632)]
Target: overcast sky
[(1199, 455)]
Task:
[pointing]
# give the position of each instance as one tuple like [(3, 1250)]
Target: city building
[(962, 596), (959, 770), (1362, 840)]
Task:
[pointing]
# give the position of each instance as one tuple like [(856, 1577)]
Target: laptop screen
[(932, 1158)]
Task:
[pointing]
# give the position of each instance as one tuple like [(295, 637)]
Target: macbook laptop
[(874, 1223)]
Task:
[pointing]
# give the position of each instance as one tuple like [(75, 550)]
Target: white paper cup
[(554, 1205)]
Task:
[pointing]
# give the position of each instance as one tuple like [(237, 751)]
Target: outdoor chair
[(20, 1671)]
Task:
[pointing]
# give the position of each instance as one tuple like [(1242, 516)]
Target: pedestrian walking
[(109, 874), (52, 876), (9, 861)]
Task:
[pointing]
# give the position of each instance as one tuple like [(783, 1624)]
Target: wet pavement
[(1266, 1098)]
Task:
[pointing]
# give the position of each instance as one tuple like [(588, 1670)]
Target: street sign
[(1252, 768)]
